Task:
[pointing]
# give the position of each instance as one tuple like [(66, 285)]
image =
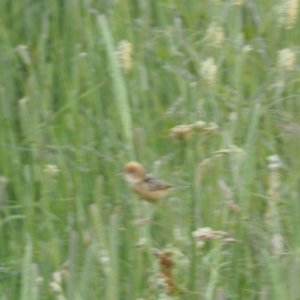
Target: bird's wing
[(154, 184)]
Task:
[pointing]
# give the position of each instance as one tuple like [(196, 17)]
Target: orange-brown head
[(134, 172)]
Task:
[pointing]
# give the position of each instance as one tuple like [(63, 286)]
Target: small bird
[(146, 186)]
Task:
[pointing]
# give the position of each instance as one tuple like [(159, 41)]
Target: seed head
[(247, 48), (286, 59), (181, 132), (23, 101), (277, 243), (215, 35), (51, 170), (239, 2), (124, 51), (209, 71), (288, 13)]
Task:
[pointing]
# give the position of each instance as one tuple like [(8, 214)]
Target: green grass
[(65, 101)]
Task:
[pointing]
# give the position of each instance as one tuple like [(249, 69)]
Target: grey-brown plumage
[(155, 183)]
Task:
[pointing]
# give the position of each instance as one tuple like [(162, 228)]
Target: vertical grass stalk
[(119, 86)]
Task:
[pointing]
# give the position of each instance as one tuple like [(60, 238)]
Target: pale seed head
[(286, 59), (51, 169), (181, 131), (124, 54), (209, 71), (239, 2), (288, 13), (214, 35)]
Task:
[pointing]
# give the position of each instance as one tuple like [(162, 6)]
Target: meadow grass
[(87, 86)]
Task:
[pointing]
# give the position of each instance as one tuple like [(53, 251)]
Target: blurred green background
[(86, 86)]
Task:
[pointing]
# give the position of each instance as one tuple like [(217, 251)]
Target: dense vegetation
[(204, 94)]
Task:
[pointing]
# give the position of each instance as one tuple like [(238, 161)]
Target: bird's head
[(133, 172)]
